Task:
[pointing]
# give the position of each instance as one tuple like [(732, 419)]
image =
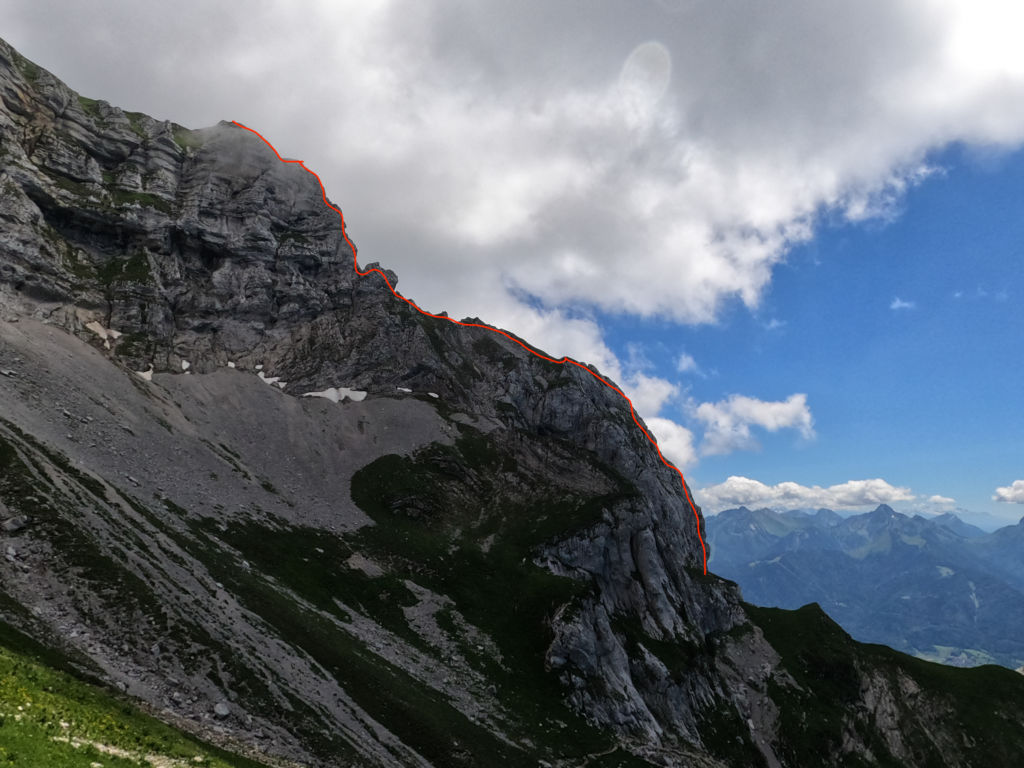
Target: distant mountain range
[(938, 588)]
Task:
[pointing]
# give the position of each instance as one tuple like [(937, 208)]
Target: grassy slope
[(40, 704)]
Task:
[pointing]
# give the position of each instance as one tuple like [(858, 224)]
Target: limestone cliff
[(474, 557)]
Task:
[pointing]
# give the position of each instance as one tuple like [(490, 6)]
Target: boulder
[(14, 524)]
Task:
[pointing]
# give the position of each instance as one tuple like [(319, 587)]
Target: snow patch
[(268, 379), (185, 365), (337, 394), (145, 375), (403, 389), (106, 334), (259, 367), (230, 364), (433, 394), (98, 329)]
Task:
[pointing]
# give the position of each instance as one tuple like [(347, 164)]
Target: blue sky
[(816, 201), (927, 396)]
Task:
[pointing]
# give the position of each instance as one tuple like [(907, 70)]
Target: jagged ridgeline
[(457, 555)]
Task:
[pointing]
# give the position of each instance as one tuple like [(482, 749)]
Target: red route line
[(563, 361)]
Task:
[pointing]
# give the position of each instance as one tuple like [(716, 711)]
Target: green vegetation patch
[(13, 639), (77, 266), (418, 715), (313, 564), (122, 271), (91, 107), (77, 188), (137, 344), (480, 560), (19, 485), (431, 327), (72, 258), (185, 138), (58, 517), (979, 706), (29, 69), (230, 457), (49, 718), (491, 350), (727, 737), (135, 123), (453, 519), (722, 729), (145, 199), (679, 657), (820, 657)]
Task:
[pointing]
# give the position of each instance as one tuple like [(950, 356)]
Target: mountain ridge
[(565, 359), (857, 566), (469, 558)]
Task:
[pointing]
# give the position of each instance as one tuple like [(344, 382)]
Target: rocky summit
[(260, 497)]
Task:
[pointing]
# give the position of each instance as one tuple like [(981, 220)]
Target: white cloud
[(1013, 493), (933, 505), (643, 160), (582, 338), (898, 303), (686, 364), (649, 393), (981, 292), (742, 491), (675, 441), (728, 422)]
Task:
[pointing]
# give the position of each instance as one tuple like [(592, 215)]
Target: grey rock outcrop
[(15, 524)]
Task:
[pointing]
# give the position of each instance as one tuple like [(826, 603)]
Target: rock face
[(481, 560)]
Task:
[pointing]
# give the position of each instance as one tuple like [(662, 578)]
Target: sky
[(790, 231)]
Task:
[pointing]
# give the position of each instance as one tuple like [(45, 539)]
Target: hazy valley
[(934, 587)]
